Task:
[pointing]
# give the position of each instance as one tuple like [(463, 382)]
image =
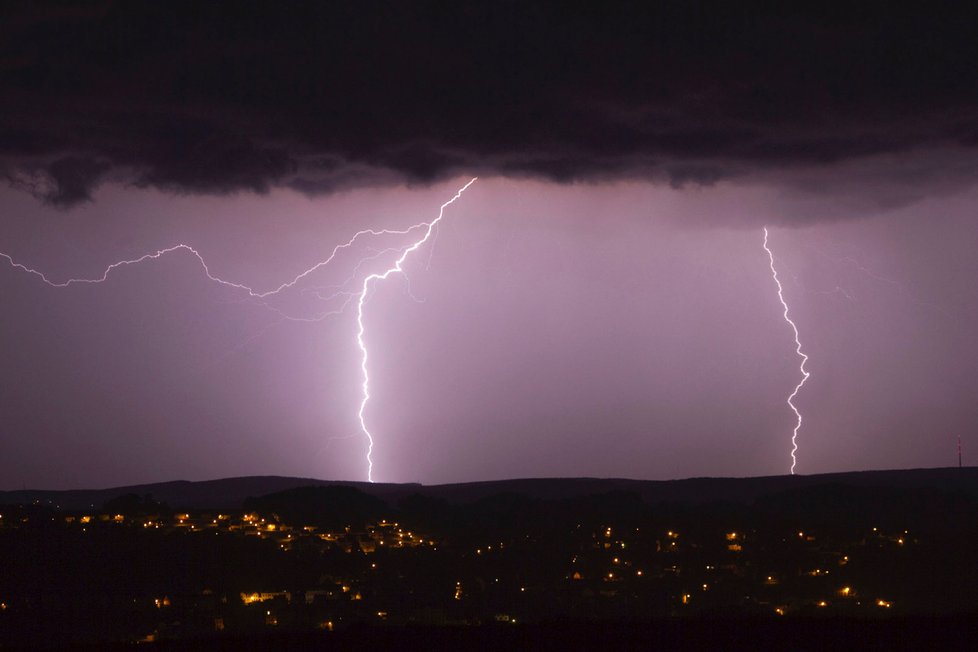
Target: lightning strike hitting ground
[(804, 358), (395, 268), (428, 228)]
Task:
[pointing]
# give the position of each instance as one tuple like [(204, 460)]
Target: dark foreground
[(899, 633), (882, 561)]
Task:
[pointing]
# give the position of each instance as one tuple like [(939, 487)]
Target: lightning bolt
[(427, 228), (804, 358), (396, 268)]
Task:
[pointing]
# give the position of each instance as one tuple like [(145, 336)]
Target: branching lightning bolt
[(396, 268), (361, 296), (804, 358)]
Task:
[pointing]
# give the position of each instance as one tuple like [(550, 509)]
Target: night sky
[(598, 303)]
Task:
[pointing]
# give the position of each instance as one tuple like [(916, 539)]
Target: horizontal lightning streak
[(252, 293), (185, 247), (397, 267), (804, 358)]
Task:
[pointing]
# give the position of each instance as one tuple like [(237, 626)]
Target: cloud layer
[(203, 98)]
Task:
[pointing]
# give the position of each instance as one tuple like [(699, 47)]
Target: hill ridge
[(230, 493)]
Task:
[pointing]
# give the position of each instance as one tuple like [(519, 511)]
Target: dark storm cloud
[(63, 182), (210, 98)]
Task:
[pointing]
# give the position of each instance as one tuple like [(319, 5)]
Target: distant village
[(139, 574)]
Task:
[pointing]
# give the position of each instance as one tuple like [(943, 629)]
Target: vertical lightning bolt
[(804, 358), (396, 268)]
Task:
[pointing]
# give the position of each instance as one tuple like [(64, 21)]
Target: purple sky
[(598, 303), (604, 330)]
